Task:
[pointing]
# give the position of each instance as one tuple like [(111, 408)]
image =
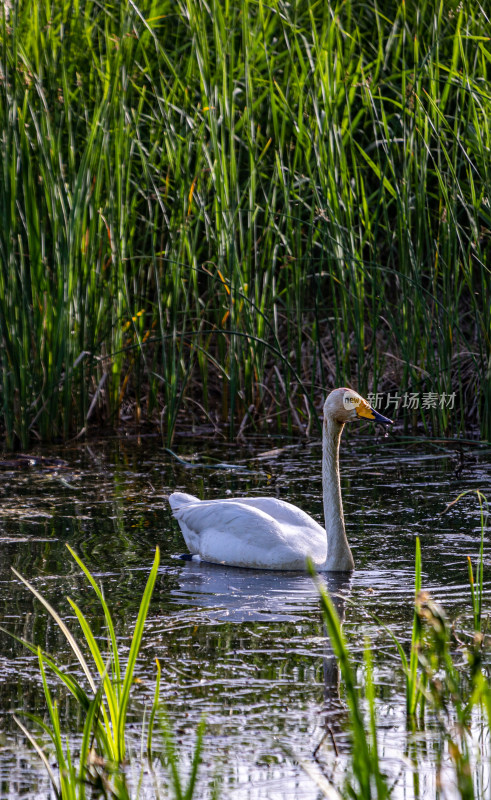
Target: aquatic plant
[(437, 688), (368, 779), (223, 209), (476, 585), (98, 764)]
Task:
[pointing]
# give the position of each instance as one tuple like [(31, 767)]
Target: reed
[(368, 780), (476, 584), (441, 689), (220, 210), (97, 766)]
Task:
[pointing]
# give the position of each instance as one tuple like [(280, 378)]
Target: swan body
[(262, 532), (267, 533)]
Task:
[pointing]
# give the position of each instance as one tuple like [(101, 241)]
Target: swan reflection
[(244, 595)]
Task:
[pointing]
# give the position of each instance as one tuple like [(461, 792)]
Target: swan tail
[(179, 500), (179, 503)]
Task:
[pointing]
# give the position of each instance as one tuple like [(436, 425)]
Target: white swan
[(266, 533)]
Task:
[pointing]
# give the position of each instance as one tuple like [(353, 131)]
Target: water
[(246, 648)]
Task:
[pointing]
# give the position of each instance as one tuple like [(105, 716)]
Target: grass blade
[(70, 639), (134, 650)]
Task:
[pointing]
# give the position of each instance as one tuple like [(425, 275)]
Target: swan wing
[(243, 535), (283, 512), (279, 510)]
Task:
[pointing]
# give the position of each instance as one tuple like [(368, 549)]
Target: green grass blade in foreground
[(69, 637), (72, 685), (366, 768), (481, 498), (90, 726), (107, 615), (42, 755), (473, 594), (134, 650), (380, 783), (412, 673), (476, 593), (189, 793), (102, 668), (154, 710), (421, 695), (67, 788), (171, 757), (180, 792), (112, 745)]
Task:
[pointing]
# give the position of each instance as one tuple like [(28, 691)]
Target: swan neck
[(338, 551)]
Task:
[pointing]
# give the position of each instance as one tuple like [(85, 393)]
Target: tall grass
[(442, 689), (476, 583), (97, 767), (219, 210), (451, 695)]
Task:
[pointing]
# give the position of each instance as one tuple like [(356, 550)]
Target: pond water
[(245, 648)]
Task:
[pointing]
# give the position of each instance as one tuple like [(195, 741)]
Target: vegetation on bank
[(213, 212)]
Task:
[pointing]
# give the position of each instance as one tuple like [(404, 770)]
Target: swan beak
[(380, 418), (367, 412)]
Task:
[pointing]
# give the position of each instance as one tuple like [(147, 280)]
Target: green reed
[(449, 700), (440, 689), (187, 189), (369, 780), (476, 583), (96, 768)]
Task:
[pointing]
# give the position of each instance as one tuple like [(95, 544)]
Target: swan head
[(346, 405)]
